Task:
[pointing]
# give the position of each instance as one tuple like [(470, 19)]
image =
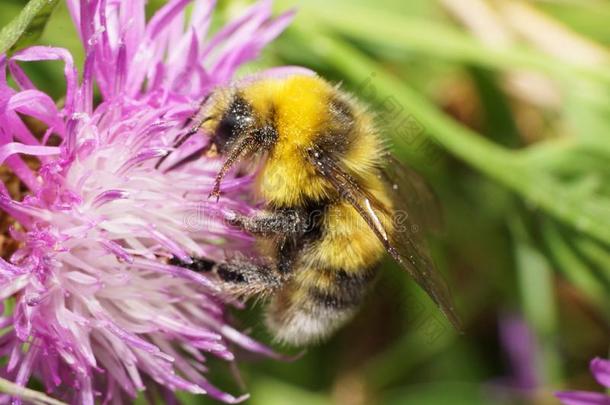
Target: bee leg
[(198, 265), (245, 277), (239, 276), (284, 221), (198, 123)]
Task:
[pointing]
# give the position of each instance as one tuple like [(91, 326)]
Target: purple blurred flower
[(520, 348), (520, 345), (600, 368), (92, 310)]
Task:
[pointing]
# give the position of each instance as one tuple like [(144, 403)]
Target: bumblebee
[(335, 202)]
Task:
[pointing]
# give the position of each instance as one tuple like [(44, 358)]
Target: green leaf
[(27, 26)]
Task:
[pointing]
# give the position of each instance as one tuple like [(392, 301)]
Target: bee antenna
[(191, 157), (181, 140)]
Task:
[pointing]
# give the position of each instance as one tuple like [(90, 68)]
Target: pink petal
[(152, 46), (260, 11), (276, 73), (132, 25), (582, 398), (37, 53), (22, 80), (38, 105), (201, 18), (12, 148), (600, 368)]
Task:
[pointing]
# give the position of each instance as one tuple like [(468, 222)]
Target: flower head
[(600, 369), (95, 310)]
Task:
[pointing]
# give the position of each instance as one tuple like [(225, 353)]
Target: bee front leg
[(240, 276), (246, 277), (268, 223)]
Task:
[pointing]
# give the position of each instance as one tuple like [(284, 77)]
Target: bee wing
[(407, 248), (412, 194)]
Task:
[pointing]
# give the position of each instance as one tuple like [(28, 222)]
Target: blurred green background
[(504, 106)]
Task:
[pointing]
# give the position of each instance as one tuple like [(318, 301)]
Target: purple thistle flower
[(600, 368), (97, 314)]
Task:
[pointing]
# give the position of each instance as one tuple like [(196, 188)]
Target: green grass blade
[(27, 26), (597, 254), (538, 301), (26, 394), (574, 269)]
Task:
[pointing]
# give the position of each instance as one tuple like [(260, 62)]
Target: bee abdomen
[(345, 291), (315, 304), (334, 300)]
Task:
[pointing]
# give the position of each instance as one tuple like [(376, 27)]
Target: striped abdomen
[(304, 313), (330, 277)]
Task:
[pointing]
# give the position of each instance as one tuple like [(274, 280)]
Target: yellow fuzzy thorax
[(299, 106)]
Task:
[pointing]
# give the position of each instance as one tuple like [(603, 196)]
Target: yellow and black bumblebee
[(335, 203)]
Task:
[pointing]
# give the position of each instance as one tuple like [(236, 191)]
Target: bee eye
[(235, 121), (226, 131)]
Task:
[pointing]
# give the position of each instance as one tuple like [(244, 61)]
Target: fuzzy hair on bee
[(331, 192)]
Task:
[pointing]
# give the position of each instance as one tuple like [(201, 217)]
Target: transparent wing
[(412, 194), (406, 244)]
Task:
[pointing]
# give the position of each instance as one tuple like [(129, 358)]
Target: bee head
[(281, 117), (239, 131), (239, 128)]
